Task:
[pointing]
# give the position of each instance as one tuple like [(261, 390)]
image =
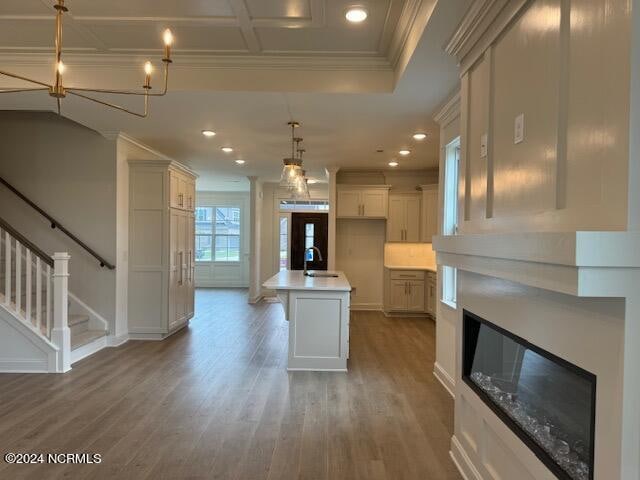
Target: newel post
[(60, 334)]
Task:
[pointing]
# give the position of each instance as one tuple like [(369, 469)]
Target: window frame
[(214, 235), (449, 274)]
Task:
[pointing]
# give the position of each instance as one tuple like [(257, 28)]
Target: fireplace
[(546, 401)]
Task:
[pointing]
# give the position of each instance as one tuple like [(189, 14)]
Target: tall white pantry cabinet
[(161, 247)]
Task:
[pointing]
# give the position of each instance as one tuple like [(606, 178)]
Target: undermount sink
[(321, 274)]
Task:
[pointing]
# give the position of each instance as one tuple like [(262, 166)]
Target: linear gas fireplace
[(548, 402)]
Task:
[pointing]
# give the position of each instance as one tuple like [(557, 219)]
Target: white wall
[(70, 171), (226, 274)]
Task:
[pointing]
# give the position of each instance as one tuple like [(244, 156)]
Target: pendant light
[(292, 165)]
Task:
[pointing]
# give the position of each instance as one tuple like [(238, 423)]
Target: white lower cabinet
[(408, 291)]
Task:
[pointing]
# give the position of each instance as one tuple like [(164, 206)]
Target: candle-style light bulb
[(61, 67), (167, 36), (148, 68)]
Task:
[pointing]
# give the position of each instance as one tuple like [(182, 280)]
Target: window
[(450, 224), (284, 242), (218, 234), (304, 205), (451, 188)]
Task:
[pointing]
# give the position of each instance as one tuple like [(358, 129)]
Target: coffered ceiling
[(205, 28), (244, 68)]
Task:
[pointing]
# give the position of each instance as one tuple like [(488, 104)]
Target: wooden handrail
[(24, 241), (55, 224)]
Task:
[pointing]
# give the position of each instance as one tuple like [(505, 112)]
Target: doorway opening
[(309, 230)]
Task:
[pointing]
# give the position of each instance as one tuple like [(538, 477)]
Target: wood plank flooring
[(215, 401)]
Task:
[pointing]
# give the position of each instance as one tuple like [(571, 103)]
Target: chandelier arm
[(20, 77), (117, 107), (16, 90), (127, 92)]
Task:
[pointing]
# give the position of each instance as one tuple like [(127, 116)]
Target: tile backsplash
[(409, 255)]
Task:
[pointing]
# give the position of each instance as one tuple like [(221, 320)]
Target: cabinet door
[(349, 202), (398, 293), (190, 246), (432, 293), (412, 218), (174, 267), (174, 190), (190, 195), (429, 214), (415, 297), (396, 220), (375, 203)]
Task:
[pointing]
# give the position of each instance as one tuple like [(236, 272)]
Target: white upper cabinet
[(429, 212), (355, 201), (182, 191), (403, 224)]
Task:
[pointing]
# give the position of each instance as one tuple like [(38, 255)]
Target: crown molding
[(482, 24), (275, 61), (469, 24), (449, 111), (405, 24)]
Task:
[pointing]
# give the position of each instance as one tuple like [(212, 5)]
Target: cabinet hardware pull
[(363, 210)]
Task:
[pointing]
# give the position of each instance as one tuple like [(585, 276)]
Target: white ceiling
[(342, 129)]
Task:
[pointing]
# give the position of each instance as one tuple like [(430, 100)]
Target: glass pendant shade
[(290, 173)]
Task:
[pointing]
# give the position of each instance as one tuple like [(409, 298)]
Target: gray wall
[(70, 171)]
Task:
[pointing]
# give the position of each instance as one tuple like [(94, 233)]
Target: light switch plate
[(518, 129), (483, 145)]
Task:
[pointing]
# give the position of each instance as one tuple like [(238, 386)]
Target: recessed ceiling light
[(356, 15), (208, 133), (419, 136), (240, 162), (393, 164), (404, 153), (227, 149)]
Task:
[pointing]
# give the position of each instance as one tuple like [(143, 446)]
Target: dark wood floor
[(215, 402)]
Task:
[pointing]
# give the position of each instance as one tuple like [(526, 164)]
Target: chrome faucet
[(305, 272)]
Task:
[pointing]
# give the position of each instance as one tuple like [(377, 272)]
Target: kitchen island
[(317, 308)]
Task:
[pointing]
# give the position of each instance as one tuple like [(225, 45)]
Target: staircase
[(37, 332)]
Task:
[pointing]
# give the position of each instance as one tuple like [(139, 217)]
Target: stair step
[(78, 323), (84, 338)]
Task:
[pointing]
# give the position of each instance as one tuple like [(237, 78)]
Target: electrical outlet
[(483, 145), (518, 129)]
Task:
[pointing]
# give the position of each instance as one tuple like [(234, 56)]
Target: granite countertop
[(295, 280)]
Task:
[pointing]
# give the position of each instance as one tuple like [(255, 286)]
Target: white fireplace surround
[(573, 294)]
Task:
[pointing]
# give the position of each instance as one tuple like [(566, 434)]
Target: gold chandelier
[(58, 91)]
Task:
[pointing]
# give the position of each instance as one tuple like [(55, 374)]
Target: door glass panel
[(308, 241), (284, 243)]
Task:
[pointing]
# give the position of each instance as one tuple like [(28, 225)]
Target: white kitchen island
[(318, 312)]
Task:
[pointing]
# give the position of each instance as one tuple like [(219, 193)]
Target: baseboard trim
[(113, 341), (88, 349), (9, 365), (462, 461), (366, 307), (445, 379), (255, 300)]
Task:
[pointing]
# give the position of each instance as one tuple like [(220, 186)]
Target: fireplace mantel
[(583, 264)]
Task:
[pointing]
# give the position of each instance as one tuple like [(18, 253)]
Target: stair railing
[(34, 288), (55, 224)]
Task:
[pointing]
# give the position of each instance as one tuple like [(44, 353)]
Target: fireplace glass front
[(545, 400)]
